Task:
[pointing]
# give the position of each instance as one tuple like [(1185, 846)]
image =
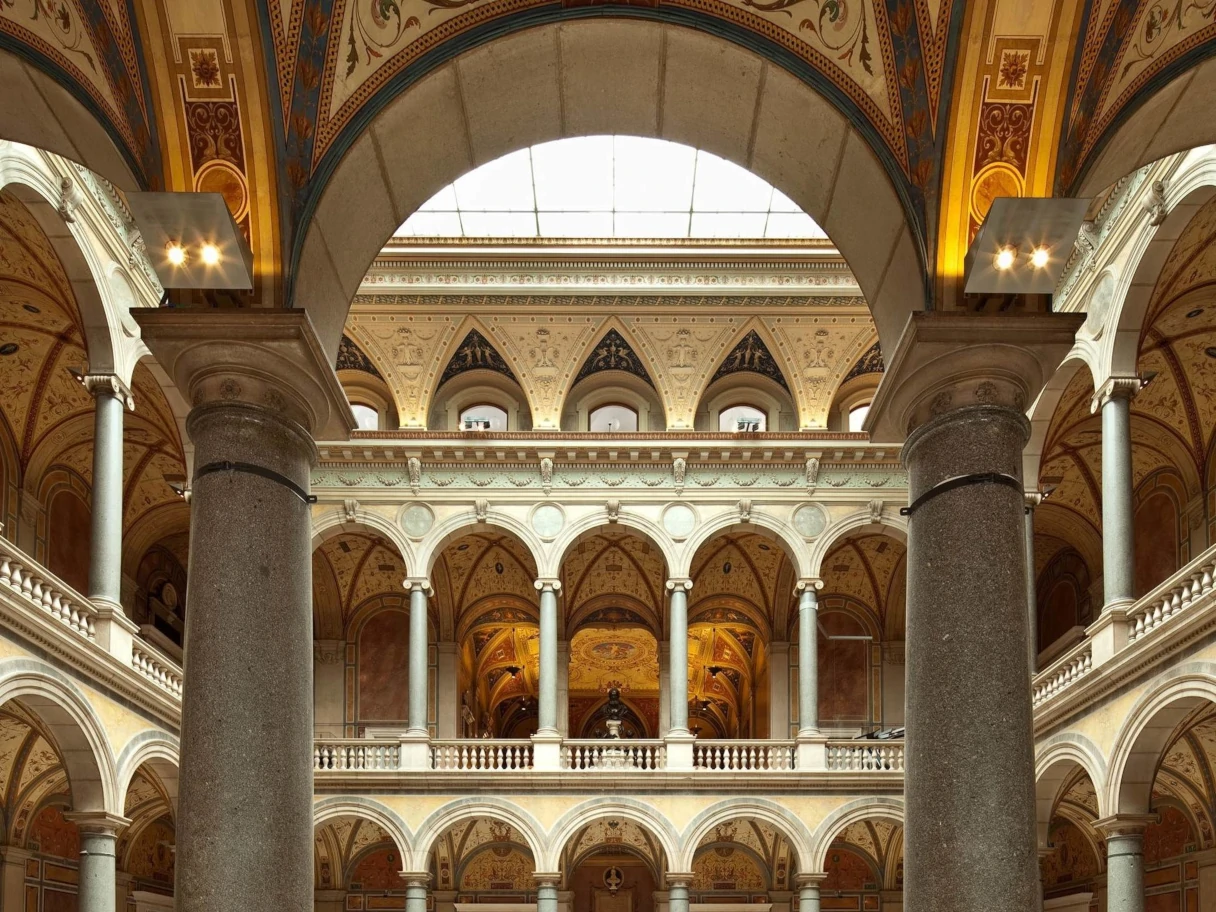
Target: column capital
[(1125, 824), (100, 823), (811, 583), (328, 652), (109, 384), (1114, 388), (949, 360), (809, 880), (552, 583), (679, 582), (679, 878), (262, 357), (420, 583), (416, 878), (547, 878)]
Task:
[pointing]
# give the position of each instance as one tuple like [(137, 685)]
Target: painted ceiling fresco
[(880, 842), (483, 855), (743, 854), (868, 571), (342, 843), (349, 570)]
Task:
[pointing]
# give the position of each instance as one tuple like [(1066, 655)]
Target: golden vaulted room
[(608, 455)]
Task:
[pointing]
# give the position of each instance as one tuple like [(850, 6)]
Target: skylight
[(611, 187)]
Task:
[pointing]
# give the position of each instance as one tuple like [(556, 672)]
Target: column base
[(679, 750), (113, 630), (811, 751), (415, 750), (547, 750)]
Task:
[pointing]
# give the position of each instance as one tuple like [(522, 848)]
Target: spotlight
[(211, 254), (1146, 378), (176, 253), (714, 670), (1005, 257), (1040, 257)]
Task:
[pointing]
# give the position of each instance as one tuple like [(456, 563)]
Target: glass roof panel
[(611, 187)]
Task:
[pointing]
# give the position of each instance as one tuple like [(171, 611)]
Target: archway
[(864, 864), (147, 846), (357, 857)]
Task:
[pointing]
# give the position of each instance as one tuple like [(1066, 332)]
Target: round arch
[(595, 522), (77, 729), (1143, 738), (463, 809), (1058, 759), (862, 521), (161, 752), (841, 818), (772, 813), (368, 809), (643, 815), (580, 76), (453, 527), (1043, 411), (760, 523), (338, 521)]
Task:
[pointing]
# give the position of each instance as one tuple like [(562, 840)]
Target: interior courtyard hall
[(616, 456)]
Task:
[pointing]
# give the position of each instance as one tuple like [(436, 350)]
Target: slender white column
[(1033, 499), (547, 704), (677, 626), (111, 395), (1114, 398), (808, 658), (808, 891), (677, 892), (415, 891), (419, 591), (98, 871), (1124, 861), (546, 892)]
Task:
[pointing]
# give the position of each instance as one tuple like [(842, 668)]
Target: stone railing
[(617, 755), (484, 756), (55, 598), (1184, 589), (744, 756), (156, 668), (355, 754), (1061, 673), (866, 756)]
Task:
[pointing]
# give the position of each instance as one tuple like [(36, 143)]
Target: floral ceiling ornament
[(375, 27)]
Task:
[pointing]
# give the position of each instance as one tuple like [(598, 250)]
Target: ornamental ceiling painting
[(743, 854)]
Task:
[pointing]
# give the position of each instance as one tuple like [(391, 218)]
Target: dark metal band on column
[(961, 481), (260, 471)]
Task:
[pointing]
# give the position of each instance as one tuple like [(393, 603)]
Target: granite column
[(1114, 399), (97, 890), (1124, 861), (418, 683)]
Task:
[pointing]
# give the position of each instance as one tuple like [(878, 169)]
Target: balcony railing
[(745, 756), (614, 755), (482, 756), (59, 602), (866, 756), (357, 755)]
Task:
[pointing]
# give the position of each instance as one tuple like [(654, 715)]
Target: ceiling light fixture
[(211, 255), (204, 248), (175, 253), (1005, 257), (1040, 257)]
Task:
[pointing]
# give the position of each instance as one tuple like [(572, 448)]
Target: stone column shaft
[(1032, 603), (677, 623), (98, 883), (1124, 862), (1118, 542), (418, 683), (546, 896), (677, 894), (547, 704), (105, 550), (808, 662), (415, 892)]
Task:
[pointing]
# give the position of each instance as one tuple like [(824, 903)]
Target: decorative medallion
[(416, 520), (548, 520), (869, 363), (679, 520), (475, 353), (613, 353), (751, 354), (351, 357), (810, 520)]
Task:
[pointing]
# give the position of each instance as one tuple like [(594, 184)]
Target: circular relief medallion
[(679, 520), (416, 520), (810, 520), (547, 520)]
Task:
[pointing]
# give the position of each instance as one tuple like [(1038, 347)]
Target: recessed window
[(367, 418), (742, 419), (483, 418), (609, 419), (857, 416)]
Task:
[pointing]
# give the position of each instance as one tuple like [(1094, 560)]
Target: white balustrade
[(613, 754), (1074, 664), (51, 596), (483, 755), (866, 756), (744, 756), (157, 669), (1186, 587), (356, 755)]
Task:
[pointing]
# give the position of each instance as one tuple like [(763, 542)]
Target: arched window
[(614, 419), (366, 417), (857, 416), (742, 419), (483, 418)]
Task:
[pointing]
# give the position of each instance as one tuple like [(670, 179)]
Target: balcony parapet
[(100, 642), (1123, 645)]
